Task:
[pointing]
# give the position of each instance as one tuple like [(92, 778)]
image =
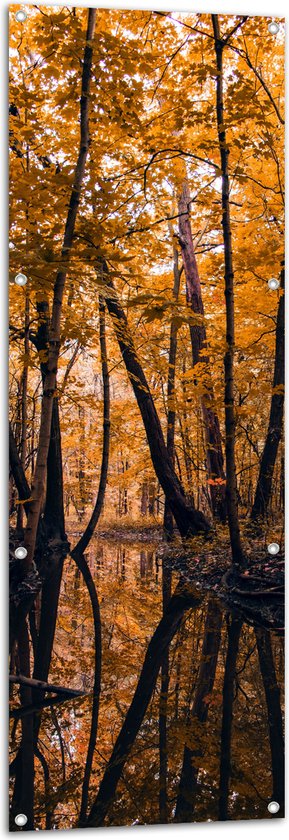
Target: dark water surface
[(203, 740)]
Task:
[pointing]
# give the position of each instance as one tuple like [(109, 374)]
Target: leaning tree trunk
[(230, 422), (273, 437), (215, 460), (189, 521), (90, 528)]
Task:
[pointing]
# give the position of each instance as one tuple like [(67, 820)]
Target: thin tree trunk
[(275, 723), (171, 419), (18, 472), (188, 520), (215, 460), (38, 484), (85, 571), (81, 463), (274, 432), (23, 793), (204, 686), (24, 386), (89, 531), (230, 422), (227, 717), (52, 540), (161, 638), (163, 708)]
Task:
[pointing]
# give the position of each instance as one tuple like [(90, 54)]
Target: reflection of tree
[(234, 630), (275, 725), (163, 706), (182, 599), (199, 712)]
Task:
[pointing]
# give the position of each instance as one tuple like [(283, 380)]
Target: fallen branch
[(19, 679)]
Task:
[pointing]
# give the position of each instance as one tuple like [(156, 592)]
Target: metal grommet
[(273, 27), (273, 284), (20, 553), (21, 17), (273, 548), (273, 807), (20, 279), (21, 820)]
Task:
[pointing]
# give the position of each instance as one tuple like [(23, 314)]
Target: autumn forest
[(146, 376)]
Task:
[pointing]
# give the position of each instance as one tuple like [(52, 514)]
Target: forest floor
[(257, 591)]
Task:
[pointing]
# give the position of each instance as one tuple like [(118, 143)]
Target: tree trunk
[(38, 484), (230, 422), (264, 484), (85, 571), (18, 472), (272, 695), (227, 717), (88, 533), (163, 708), (189, 520), (171, 419), (51, 543), (215, 460), (24, 386)]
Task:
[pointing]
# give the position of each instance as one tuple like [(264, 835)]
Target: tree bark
[(230, 421), (38, 484), (274, 432), (215, 460), (188, 520), (89, 531)]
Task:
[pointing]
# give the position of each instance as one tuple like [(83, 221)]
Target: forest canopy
[(146, 334)]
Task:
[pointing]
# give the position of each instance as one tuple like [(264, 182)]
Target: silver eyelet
[(21, 820), (273, 548), (273, 27), (20, 279), (273, 807), (273, 284), (20, 553), (21, 16)]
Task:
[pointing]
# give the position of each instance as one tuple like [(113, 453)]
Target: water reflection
[(189, 725)]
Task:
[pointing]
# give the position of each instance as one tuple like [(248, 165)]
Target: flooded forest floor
[(256, 590)]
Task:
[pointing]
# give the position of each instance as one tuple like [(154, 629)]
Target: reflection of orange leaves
[(216, 481)]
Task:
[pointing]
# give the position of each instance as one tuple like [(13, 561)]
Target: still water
[(189, 724)]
